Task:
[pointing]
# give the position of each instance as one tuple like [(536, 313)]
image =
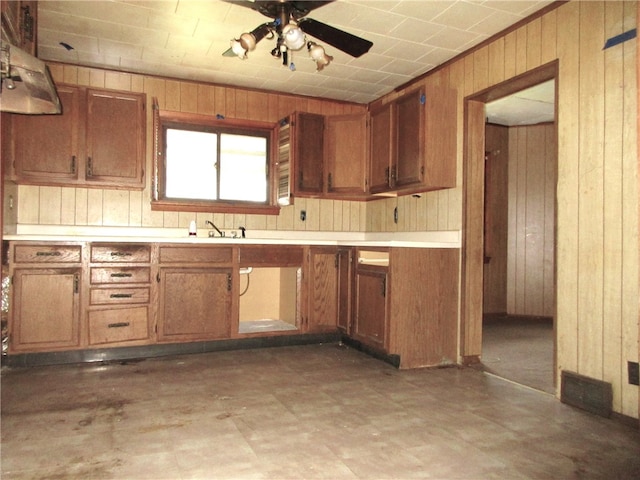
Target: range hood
[(26, 85)]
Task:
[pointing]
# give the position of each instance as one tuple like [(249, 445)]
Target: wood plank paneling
[(612, 189), (567, 192), (630, 193), (597, 189), (496, 220), (531, 220), (590, 190)]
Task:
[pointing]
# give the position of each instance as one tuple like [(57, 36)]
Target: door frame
[(473, 184)]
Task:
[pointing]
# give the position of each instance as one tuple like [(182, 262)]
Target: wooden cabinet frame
[(398, 301), (97, 141), (413, 142)]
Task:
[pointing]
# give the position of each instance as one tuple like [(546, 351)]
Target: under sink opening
[(269, 299)]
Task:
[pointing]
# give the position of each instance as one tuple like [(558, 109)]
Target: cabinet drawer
[(110, 296), (118, 325), (47, 253), (120, 275), (191, 254), (120, 253), (277, 256)]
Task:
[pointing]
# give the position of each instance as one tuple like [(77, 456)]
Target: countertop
[(432, 239)]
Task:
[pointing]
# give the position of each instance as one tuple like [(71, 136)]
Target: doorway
[(508, 312)]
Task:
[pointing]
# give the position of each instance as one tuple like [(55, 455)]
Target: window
[(207, 164)]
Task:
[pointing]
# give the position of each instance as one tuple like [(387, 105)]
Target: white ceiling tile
[(463, 15), (422, 10), (520, 7), (452, 39), (186, 39), (119, 49), (415, 30), (495, 22)]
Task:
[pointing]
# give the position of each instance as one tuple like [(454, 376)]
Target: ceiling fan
[(289, 27)]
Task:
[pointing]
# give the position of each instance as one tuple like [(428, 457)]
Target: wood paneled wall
[(531, 220), (496, 219), (597, 286), (520, 173)]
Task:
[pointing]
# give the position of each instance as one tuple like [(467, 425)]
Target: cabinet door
[(308, 143), (195, 304), (382, 142), (410, 121), (284, 186), (346, 154), (46, 148), (115, 138), (46, 309), (19, 24), (323, 289), (370, 324), (345, 286)]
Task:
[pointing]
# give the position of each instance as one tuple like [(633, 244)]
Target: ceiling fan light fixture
[(293, 36), (248, 40), (318, 55), (238, 49)]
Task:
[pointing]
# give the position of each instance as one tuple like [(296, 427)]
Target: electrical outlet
[(303, 215), (634, 373)]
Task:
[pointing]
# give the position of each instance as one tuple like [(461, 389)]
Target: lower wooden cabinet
[(322, 289), (328, 289), (195, 304), (45, 309), (345, 288), (371, 320), (119, 294), (407, 304), (118, 325), (77, 295)]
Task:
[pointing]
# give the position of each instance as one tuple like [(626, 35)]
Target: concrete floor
[(319, 411)]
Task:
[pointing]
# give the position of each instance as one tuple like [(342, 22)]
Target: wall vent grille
[(586, 393)]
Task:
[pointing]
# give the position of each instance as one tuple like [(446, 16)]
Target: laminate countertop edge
[(431, 239)]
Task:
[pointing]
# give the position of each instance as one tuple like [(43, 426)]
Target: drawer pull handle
[(121, 295), (121, 275), (48, 254), (121, 254), (118, 325)]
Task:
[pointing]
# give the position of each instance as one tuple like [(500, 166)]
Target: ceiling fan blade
[(348, 43), (272, 8)]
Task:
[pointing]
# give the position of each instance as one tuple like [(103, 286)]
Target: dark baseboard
[(162, 350), (488, 318), (391, 359)]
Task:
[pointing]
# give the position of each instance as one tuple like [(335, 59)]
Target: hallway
[(319, 411), (519, 349)]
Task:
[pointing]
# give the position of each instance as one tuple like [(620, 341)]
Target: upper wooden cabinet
[(18, 19), (300, 154), (413, 142), (381, 145), (322, 156), (97, 141), (345, 152)]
